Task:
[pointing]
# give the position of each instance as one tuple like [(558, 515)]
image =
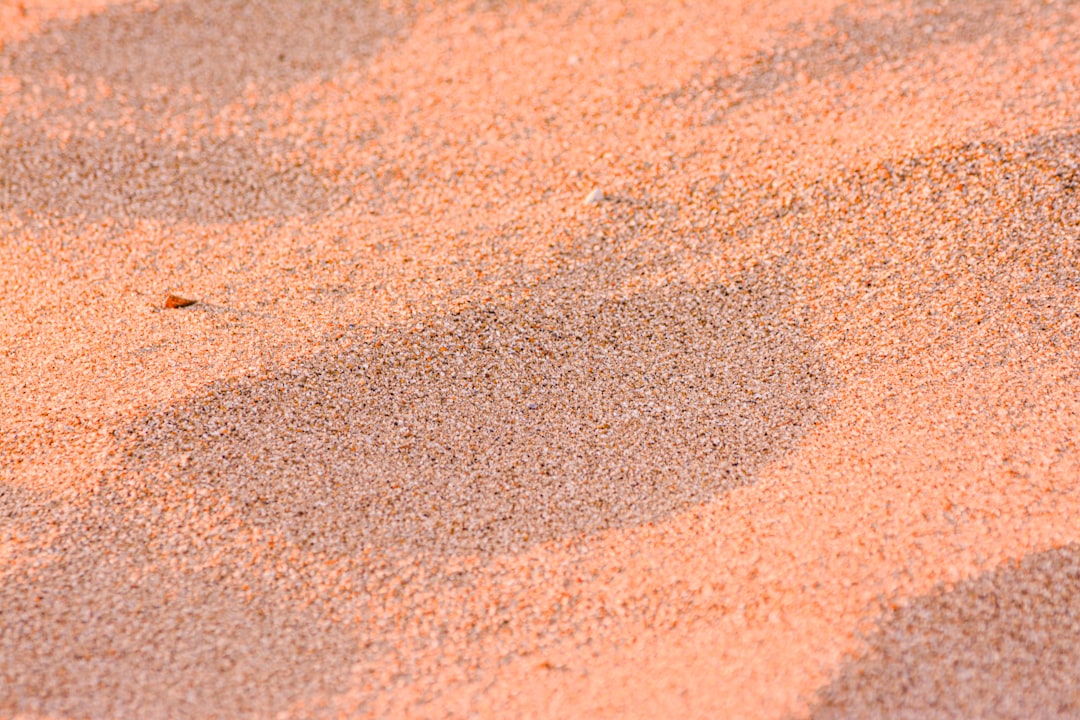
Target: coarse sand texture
[(539, 359)]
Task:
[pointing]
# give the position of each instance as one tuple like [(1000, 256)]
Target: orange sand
[(783, 425)]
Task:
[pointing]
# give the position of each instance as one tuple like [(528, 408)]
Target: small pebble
[(594, 197), (175, 301)]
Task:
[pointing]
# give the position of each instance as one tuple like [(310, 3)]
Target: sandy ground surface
[(783, 425)]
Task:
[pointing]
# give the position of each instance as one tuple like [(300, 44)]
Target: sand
[(780, 423)]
